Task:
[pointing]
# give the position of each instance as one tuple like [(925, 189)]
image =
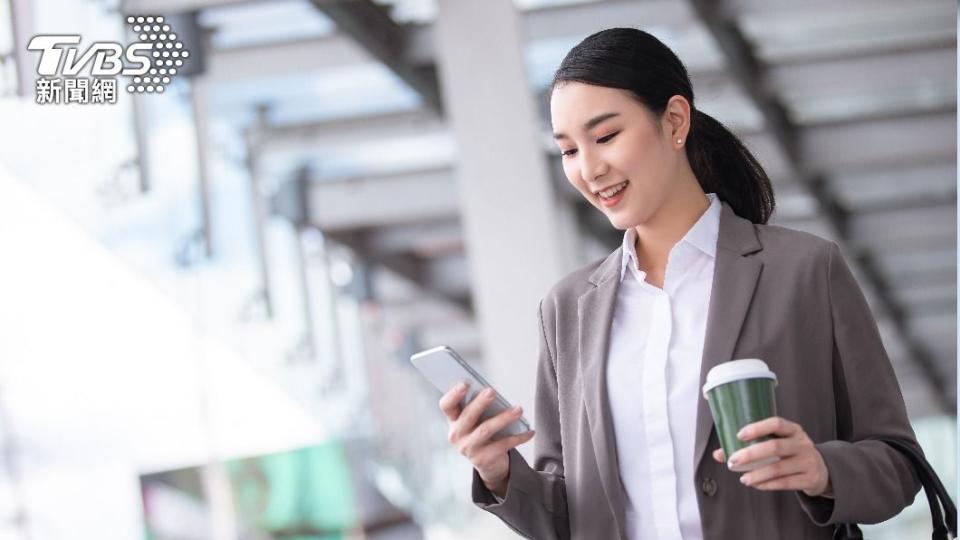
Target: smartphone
[(443, 367)]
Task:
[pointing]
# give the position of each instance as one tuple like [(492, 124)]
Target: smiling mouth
[(612, 191)]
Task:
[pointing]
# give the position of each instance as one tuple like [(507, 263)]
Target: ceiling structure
[(850, 106)]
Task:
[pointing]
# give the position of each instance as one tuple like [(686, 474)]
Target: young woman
[(623, 432)]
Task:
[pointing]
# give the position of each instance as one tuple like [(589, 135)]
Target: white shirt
[(653, 375)]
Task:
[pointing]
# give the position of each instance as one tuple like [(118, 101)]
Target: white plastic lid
[(735, 370)]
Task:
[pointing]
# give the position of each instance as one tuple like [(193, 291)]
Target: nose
[(591, 166)]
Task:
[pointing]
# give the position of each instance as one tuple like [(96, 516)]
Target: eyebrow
[(590, 124)]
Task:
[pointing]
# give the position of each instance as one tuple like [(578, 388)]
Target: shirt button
[(708, 486)]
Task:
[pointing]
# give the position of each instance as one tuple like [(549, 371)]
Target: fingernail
[(743, 480), (734, 459), (741, 433), (461, 386), (488, 392), (517, 408)]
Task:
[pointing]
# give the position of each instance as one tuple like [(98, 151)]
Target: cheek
[(642, 163), (572, 172)]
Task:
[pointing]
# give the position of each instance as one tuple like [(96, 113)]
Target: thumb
[(719, 456)]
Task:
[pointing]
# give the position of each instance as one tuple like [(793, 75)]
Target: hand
[(801, 467), (488, 457)]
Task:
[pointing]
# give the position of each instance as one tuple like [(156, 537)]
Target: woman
[(622, 429)]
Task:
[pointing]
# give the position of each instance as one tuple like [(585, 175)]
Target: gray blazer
[(781, 295)]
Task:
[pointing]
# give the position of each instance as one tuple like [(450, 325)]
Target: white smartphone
[(443, 367)]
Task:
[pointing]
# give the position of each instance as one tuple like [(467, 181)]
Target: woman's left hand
[(801, 467)]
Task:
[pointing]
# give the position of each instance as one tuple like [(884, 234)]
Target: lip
[(597, 192), (616, 198)]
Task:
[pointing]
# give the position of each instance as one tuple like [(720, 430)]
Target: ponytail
[(723, 165)]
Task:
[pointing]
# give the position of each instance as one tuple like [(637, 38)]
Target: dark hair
[(636, 61)]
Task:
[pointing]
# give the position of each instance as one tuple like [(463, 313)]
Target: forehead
[(573, 103)]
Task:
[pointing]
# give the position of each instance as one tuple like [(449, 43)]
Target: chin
[(626, 219), (621, 221)]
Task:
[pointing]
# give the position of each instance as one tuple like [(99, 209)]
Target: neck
[(672, 221)]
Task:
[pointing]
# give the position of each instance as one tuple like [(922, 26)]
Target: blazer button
[(708, 486)]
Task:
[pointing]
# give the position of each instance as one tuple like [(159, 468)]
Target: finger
[(507, 443), (792, 482), (762, 450), (492, 451), (450, 402), (719, 456), (482, 433), (471, 413), (772, 471), (774, 425)]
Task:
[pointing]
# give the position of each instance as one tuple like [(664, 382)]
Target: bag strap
[(942, 509), (847, 531), (943, 512)]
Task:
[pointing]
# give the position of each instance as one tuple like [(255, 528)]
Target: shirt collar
[(702, 235)]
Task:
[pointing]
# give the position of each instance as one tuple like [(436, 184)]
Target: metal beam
[(849, 74), (869, 188), (876, 144), (578, 20), (755, 81), (426, 238), (371, 26), (381, 201), (851, 8), (322, 136), (408, 266), (153, 7), (299, 202), (278, 59)]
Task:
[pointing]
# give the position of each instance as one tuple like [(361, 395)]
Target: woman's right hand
[(488, 457)]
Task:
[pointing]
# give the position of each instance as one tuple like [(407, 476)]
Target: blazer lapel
[(735, 278), (595, 316), (734, 281)]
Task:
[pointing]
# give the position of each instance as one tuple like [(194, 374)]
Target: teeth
[(612, 191)]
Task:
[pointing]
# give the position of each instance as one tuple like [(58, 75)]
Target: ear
[(677, 118)]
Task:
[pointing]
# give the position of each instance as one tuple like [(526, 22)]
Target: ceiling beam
[(851, 8), (383, 201), (297, 203), (371, 26), (155, 7), (755, 81), (274, 60), (328, 134), (409, 266)]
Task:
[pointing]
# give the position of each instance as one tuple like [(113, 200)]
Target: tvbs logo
[(150, 62), (106, 57)]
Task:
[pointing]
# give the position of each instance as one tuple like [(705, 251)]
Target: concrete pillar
[(21, 15), (513, 221)]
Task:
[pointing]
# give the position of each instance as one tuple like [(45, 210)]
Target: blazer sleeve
[(871, 481), (535, 505)]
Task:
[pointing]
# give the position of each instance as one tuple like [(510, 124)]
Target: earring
[(679, 141)]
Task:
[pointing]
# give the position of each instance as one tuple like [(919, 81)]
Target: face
[(607, 138)]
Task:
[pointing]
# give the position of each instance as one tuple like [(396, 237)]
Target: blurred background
[(209, 294)]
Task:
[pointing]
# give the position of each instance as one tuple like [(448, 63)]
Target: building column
[(515, 225)]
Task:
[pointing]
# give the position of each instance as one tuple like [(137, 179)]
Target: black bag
[(942, 509)]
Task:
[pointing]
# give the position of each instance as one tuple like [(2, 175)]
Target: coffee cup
[(740, 392)]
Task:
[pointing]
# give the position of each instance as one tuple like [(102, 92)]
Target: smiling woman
[(655, 101), (625, 445)]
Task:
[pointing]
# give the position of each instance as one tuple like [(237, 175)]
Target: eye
[(607, 138), (568, 152)]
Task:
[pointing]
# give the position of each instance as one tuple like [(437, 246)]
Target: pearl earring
[(679, 141)]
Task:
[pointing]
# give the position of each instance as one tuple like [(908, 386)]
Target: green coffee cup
[(740, 392)]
